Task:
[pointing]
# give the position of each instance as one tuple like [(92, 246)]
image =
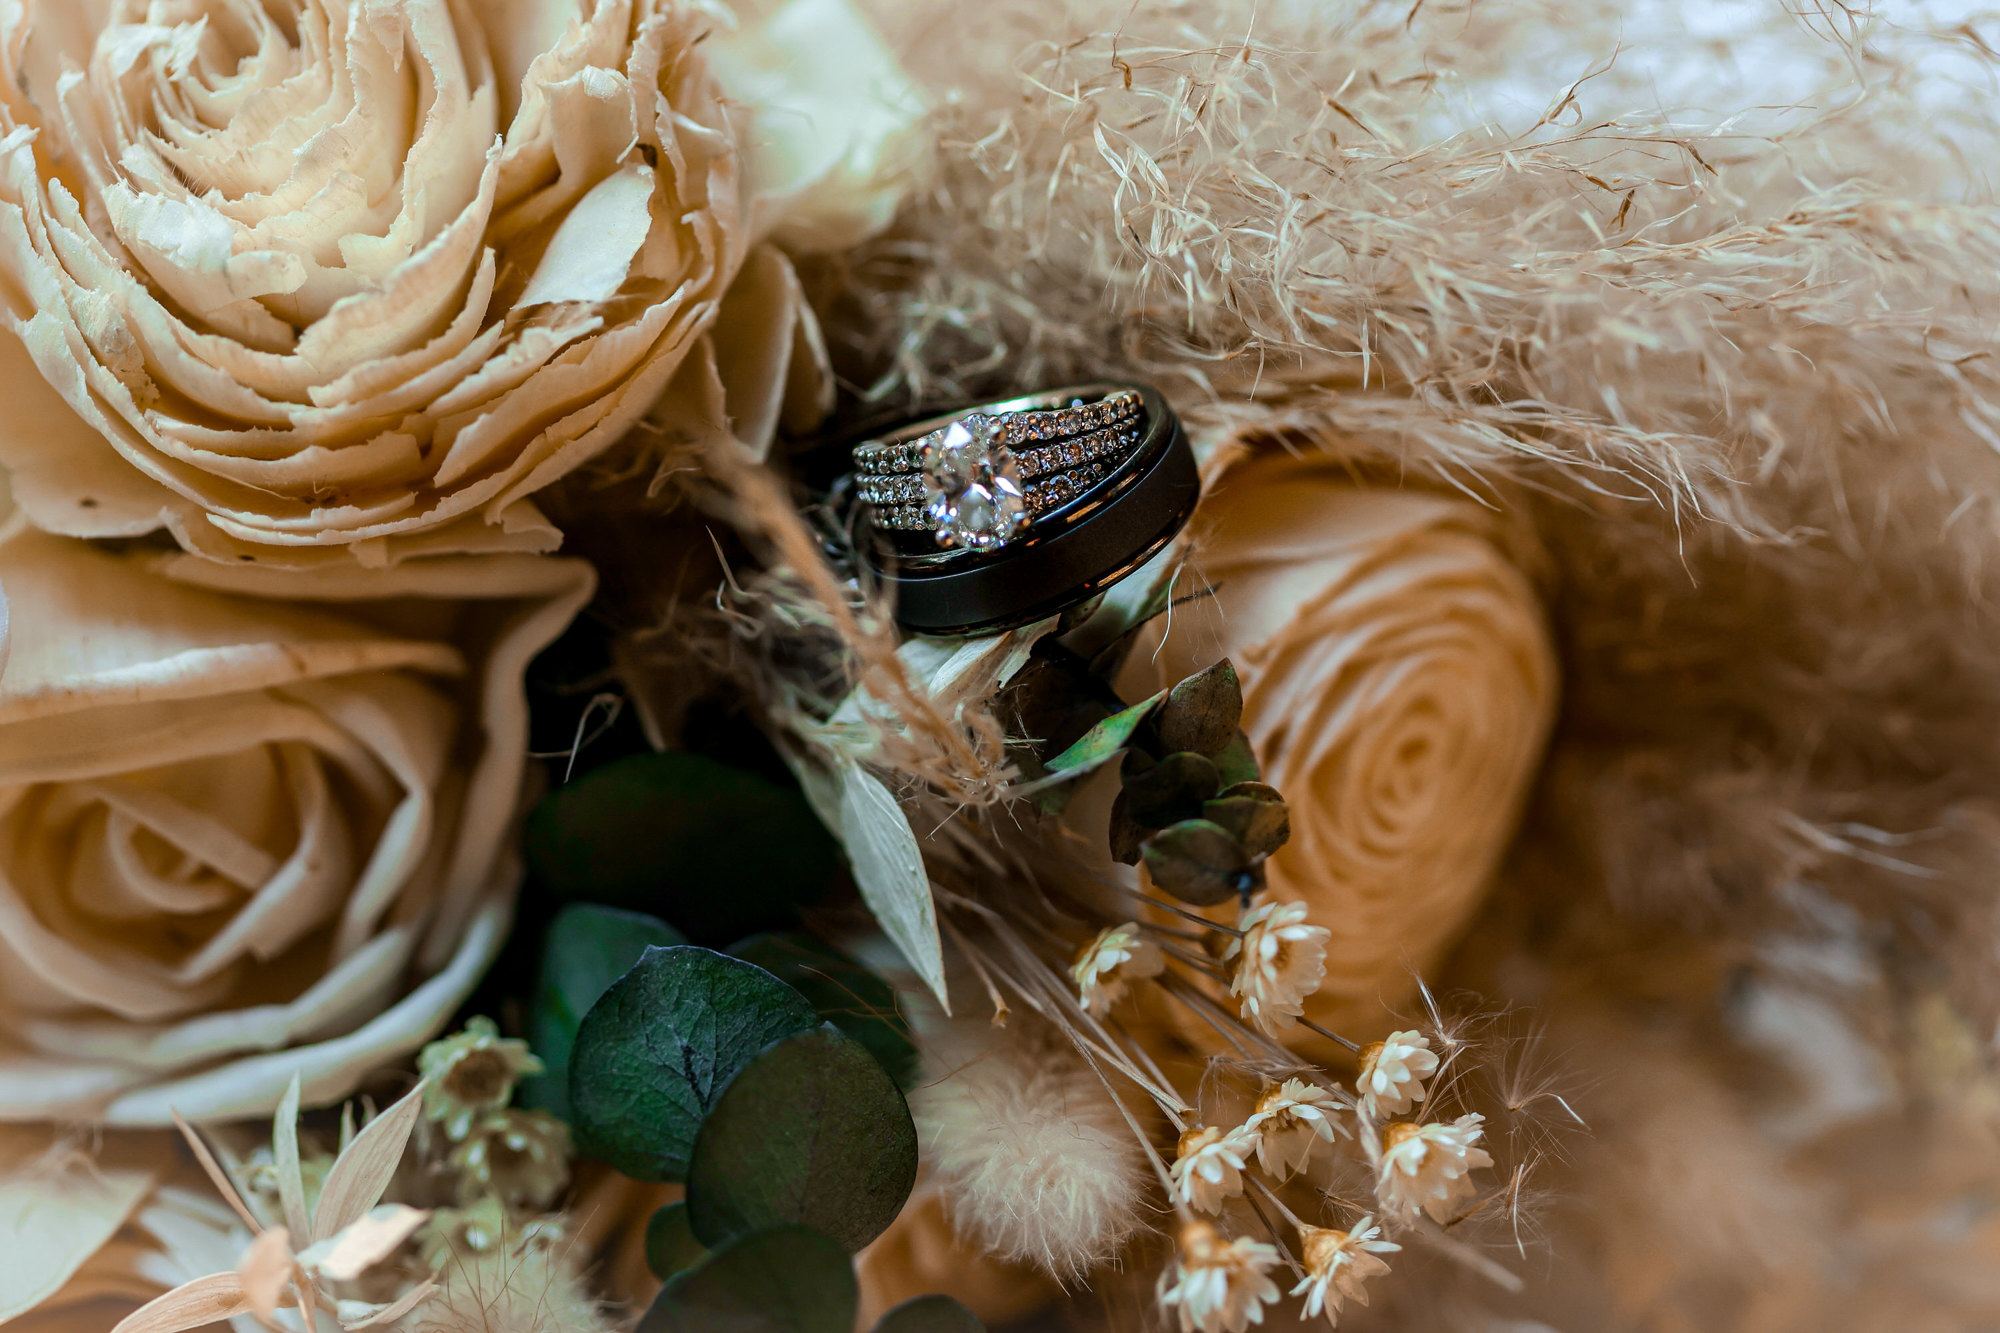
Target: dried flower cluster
[(399, 1227)]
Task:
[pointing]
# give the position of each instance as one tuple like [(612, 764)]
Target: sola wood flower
[(1280, 960), (1107, 965), (1393, 1071), (1218, 1285), (290, 1267), (1429, 1167), (1337, 1263), (346, 275), (242, 837), (1293, 1121), (1398, 686), (1209, 1165)]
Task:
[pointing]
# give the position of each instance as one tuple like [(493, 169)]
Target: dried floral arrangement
[(478, 856)]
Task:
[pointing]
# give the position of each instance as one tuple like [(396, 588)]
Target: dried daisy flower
[(1209, 1167), (518, 1157), (1337, 1263), (1279, 962), (1427, 1166), (1393, 1071), (1292, 1120), (1118, 956), (470, 1074), (1217, 1285)]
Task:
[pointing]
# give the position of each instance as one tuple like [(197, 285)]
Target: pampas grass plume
[(1035, 1160)]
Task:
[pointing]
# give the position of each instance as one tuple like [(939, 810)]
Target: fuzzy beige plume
[(1035, 1161)]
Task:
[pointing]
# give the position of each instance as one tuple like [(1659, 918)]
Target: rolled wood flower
[(246, 836), (1398, 688), (338, 274)]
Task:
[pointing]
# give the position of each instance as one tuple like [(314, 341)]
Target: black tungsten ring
[(1003, 513)]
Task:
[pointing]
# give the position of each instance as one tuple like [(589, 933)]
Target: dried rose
[(1398, 687), (246, 837)]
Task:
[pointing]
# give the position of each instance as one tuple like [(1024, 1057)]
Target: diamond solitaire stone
[(973, 486)]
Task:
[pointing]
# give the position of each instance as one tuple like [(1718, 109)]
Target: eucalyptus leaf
[(657, 1049), (1203, 712), (670, 1244), (788, 1279), (930, 1314), (813, 1131), (1197, 862), (1128, 835), (888, 864), (1171, 790), (1237, 763), (718, 851), (1254, 814), (587, 947), (1105, 741), (846, 994)]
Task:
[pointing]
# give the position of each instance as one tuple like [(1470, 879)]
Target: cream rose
[(1398, 688), (254, 828), (339, 273)]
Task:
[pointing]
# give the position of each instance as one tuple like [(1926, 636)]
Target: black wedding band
[(1103, 520)]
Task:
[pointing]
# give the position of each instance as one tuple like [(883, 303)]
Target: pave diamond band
[(911, 488), (1022, 426), (1051, 494)]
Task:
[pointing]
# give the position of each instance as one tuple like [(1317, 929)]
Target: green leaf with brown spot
[(1204, 712)]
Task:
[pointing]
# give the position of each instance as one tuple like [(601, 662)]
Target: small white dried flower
[(1293, 1119), (1217, 1285), (1427, 1166), (1118, 956), (1279, 961), (1393, 1071), (470, 1074), (518, 1157), (1209, 1166), (1337, 1263)]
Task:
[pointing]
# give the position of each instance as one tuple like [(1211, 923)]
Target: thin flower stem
[(1183, 913), (1000, 1010), (1277, 1238), (1311, 1026), (1192, 936), (1277, 1202), (1198, 962)]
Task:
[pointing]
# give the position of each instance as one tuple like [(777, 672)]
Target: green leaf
[(930, 1314), (656, 1051), (784, 1280), (1237, 763), (1103, 742), (1171, 790), (718, 851), (586, 949), (1254, 814), (1197, 862), (812, 1131), (1202, 713), (670, 1244), (846, 994)]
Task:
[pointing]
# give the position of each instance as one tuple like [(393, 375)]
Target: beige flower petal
[(837, 142), (253, 822), (57, 1209)]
